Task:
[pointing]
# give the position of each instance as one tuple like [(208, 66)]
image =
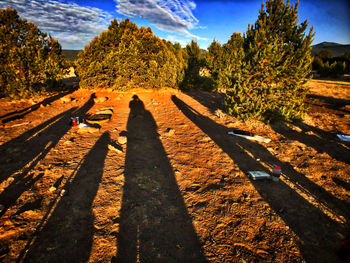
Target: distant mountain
[(70, 54), (335, 48)]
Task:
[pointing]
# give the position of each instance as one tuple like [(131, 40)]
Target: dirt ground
[(177, 190)]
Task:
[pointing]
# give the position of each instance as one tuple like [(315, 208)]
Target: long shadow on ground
[(68, 234), (323, 142), (19, 114), (318, 233), (26, 151), (154, 223)]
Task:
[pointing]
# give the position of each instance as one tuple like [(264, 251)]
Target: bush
[(31, 61), (125, 56), (274, 67)]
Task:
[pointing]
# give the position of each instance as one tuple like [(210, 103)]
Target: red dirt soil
[(177, 191)]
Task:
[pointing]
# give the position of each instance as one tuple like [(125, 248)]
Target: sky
[(76, 22)]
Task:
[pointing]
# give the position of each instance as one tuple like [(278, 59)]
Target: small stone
[(100, 99), (122, 140), (261, 251), (62, 192), (112, 148), (170, 131), (66, 99), (88, 130), (219, 113), (52, 189)]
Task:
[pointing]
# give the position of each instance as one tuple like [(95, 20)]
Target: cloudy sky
[(76, 22)]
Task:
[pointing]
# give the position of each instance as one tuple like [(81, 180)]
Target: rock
[(262, 252), (112, 148), (105, 111), (296, 128), (169, 132), (88, 130), (66, 99), (311, 133), (100, 99), (52, 189), (122, 140), (69, 141), (219, 113)]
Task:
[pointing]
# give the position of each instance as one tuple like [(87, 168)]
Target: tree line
[(327, 66), (262, 72)]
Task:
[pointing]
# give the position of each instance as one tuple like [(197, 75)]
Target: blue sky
[(75, 22)]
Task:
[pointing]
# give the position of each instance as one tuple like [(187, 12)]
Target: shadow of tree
[(324, 142), (154, 223), (326, 104), (68, 234), (19, 114), (318, 241), (32, 147)]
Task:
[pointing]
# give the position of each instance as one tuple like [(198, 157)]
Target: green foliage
[(31, 61), (317, 63), (328, 66), (324, 54), (125, 56), (193, 62), (272, 70)]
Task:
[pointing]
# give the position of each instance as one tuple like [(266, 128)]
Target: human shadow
[(19, 114), (324, 142), (68, 233), (212, 100), (154, 223), (318, 233), (32, 147)]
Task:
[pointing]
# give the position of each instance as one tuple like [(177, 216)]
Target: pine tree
[(31, 61), (276, 65), (124, 57), (193, 58)]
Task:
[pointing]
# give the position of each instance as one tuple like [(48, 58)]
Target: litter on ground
[(343, 137), (251, 137), (256, 175)]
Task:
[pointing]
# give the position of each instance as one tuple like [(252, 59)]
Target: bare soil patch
[(162, 181)]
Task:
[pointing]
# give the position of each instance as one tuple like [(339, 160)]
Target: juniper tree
[(193, 58), (276, 64), (31, 61), (125, 56)]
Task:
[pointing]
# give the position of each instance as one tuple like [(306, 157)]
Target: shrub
[(274, 68), (31, 61), (125, 56)]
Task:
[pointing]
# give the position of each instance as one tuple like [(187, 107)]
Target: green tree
[(276, 65), (325, 54), (32, 62), (317, 63), (194, 61), (125, 56)]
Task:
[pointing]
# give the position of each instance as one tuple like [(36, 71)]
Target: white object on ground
[(258, 175), (82, 125), (343, 137), (20, 124), (253, 138)]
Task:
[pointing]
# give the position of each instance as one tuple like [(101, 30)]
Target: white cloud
[(168, 15), (174, 39), (72, 24)]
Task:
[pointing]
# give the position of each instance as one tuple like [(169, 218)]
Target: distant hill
[(335, 48), (70, 54)]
